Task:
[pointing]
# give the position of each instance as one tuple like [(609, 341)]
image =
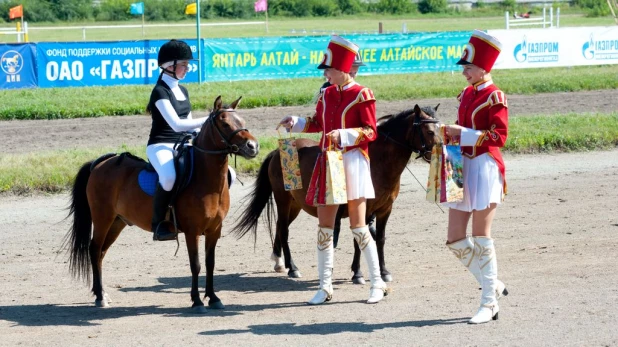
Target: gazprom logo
[(536, 51), (600, 49)]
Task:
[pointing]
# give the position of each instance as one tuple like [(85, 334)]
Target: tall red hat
[(339, 54), (482, 50)]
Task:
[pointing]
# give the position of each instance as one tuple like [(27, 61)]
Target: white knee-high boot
[(464, 251), (370, 251), (486, 256), (326, 255)]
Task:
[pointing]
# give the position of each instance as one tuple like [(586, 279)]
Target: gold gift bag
[(290, 166), (335, 192), (435, 173)]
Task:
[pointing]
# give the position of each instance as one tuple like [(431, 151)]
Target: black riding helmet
[(173, 51)]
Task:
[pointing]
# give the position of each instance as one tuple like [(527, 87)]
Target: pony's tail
[(77, 239), (261, 197)]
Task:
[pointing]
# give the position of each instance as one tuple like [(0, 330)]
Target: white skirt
[(483, 184), (357, 175)]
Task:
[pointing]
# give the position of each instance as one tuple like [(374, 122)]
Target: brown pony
[(398, 137), (106, 195)]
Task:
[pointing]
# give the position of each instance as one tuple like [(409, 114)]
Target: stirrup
[(162, 233), (320, 297)]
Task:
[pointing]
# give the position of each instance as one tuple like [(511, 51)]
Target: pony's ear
[(436, 108), (417, 110), (218, 103), (235, 103)]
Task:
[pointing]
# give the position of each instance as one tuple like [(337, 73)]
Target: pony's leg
[(102, 221), (192, 241), (112, 235), (380, 241), (357, 276), (293, 271), (211, 245), (276, 255)]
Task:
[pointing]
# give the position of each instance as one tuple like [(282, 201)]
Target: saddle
[(183, 164)]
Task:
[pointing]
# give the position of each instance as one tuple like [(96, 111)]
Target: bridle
[(230, 148), (416, 129)]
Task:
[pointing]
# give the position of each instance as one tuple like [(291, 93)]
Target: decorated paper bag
[(452, 174), (335, 192), (290, 166), (327, 185), (433, 182)]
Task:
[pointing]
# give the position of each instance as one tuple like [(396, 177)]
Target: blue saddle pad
[(148, 181), (148, 177)]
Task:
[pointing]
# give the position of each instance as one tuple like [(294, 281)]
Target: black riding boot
[(160, 230)]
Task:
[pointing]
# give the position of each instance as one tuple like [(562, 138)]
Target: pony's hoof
[(217, 305), (101, 303), (387, 278), (358, 280), (199, 309), (294, 274), (279, 264)]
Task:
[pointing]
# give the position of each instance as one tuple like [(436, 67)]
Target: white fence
[(544, 21), (133, 26)]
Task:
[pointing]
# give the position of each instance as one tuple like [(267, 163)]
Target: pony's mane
[(393, 122)]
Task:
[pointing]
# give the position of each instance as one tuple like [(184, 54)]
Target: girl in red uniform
[(346, 116), (481, 129)]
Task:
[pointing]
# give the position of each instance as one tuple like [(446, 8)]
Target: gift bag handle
[(281, 137)]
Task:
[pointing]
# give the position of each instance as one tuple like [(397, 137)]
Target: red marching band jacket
[(483, 107), (351, 106)]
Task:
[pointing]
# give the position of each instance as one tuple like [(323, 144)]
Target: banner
[(260, 6), (191, 8), (296, 57), (137, 8), (534, 48), (16, 12), (79, 64), (17, 66)]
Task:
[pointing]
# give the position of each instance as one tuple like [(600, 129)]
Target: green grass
[(54, 171), (465, 20), (562, 133), (129, 100)]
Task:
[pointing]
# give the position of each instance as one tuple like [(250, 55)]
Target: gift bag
[(290, 166), (435, 173), (452, 174), (328, 185)]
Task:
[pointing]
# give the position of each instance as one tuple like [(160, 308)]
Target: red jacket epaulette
[(366, 95), (496, 98)]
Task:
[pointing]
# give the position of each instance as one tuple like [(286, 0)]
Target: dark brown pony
[(411, 131), (106, 195)]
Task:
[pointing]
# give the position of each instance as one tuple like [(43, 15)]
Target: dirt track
[(555, 236), (28, 136)]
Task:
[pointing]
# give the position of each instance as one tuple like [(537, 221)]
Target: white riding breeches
[(161, 156)]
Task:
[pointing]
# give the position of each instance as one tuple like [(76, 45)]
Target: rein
[(417, 129), (229, 147)]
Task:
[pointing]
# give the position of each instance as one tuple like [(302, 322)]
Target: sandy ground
[(555, 237)]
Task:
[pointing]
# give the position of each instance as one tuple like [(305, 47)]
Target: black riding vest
[(161, 132)]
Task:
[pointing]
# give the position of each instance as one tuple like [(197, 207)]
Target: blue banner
[(17, 66), (137, 8), (296, 57), (79, 64)]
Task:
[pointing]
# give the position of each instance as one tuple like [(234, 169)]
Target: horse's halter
[(230, 148), (416, 129)]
